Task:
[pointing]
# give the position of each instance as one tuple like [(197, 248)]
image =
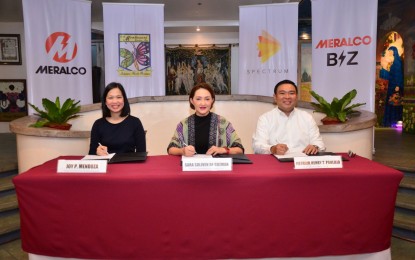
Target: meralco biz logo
[(61, 47), (335, 58)]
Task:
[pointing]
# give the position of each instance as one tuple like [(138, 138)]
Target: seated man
[(286, 128)]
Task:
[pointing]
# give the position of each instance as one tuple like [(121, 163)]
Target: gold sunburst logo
[(267, 46)]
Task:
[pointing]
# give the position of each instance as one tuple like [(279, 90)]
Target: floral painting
[(188, 66)]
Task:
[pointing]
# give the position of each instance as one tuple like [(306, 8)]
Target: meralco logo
[(61, 47), (334, 58)]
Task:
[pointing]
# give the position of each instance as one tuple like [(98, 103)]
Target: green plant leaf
[(54, 113), (335, 105), (39, 123), (342, 116), (338, 108), (348, 97), (57, 103), (350, 110), (51, 109), (323, 106)]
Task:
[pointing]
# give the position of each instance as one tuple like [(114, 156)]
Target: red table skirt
[(153, 210)]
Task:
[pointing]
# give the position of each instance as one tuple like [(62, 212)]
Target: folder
[(128, 157), (236, 158)]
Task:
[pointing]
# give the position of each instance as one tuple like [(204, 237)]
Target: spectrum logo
[(61, 46), (267, 46), (63, 49)]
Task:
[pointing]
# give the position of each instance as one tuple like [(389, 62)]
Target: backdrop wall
[(13, 71), (19, 71)]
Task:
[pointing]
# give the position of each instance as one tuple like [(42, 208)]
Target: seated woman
[(204, 132), (117, 131)]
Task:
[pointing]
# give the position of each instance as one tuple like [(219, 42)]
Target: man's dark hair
[(285, 81), (105, 111)]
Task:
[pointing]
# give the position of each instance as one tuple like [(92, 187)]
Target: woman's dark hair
[(105, 111), (285, 81), (196, 88)]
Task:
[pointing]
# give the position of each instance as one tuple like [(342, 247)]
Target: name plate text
[(82, 166), (315, 162), (206, 164)]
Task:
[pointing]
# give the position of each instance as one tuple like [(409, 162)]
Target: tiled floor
[(393, 148)]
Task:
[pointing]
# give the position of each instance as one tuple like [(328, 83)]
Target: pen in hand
[(102, 148), (184, 145)]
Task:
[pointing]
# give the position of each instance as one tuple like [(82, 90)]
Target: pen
[(187, 145), (101, 145)]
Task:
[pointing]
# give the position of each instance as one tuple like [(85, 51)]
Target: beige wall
[(160, 120)]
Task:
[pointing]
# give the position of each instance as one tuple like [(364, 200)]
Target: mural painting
[(188, 66)]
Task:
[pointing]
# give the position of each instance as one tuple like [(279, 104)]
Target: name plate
[(206, 164), (82, 166), (315, 162)]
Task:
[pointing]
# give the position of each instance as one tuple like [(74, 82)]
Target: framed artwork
[(188, 66), (10, 53), (304, 71), (13, 99)]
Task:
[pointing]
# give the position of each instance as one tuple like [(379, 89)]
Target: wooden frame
[(10, 50), (13, 99)]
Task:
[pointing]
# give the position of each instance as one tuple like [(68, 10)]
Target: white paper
[(198, 156), (98, 157), (290, 155)]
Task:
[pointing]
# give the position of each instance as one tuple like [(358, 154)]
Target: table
[(153, 210)]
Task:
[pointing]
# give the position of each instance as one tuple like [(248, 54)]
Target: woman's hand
[(102, 150), (214, 150), (189, 150)]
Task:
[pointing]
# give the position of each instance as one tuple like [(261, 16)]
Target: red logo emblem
[(61, 46)]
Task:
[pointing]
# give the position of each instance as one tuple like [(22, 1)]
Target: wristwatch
[(227, 149)]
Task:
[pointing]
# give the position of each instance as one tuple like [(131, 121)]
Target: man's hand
[(311, 149), (279, 149)]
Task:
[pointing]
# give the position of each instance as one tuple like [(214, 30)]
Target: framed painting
[(10, 52), (188, 66), (304, 69), (13, 99)]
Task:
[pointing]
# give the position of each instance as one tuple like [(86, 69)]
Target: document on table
[(198, 156), (98, 157), (289, 157)]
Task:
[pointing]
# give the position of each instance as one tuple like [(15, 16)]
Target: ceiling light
[(305, 36), (197, 29)]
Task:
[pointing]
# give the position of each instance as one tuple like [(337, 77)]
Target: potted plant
[(55, 115), (336, 111)]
